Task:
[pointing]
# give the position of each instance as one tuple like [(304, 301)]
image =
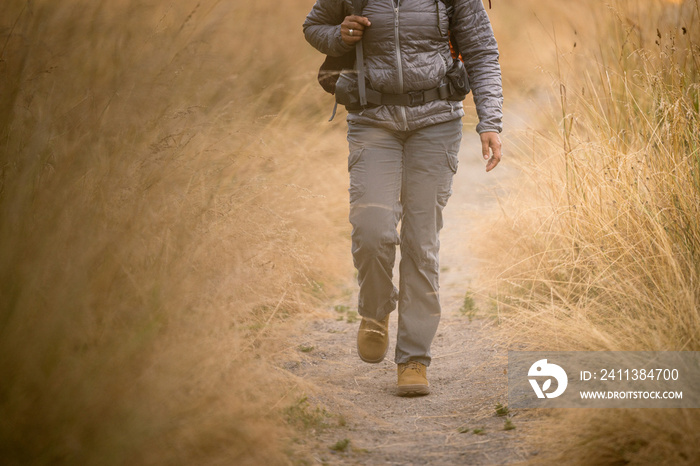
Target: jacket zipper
[(402, 109)]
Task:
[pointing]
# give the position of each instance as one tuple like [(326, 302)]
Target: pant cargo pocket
[(355, 167), (453, 161), (445, 190)]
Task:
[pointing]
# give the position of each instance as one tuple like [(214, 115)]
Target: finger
[(492, 163), (346, 28), (352, 32), (356, 22), (356, 27), (360, 20), (496, 147), (348, 39), (485, 152), (351, 39)]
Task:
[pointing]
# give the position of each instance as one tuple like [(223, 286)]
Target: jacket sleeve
[(477, 44), (322, 27)]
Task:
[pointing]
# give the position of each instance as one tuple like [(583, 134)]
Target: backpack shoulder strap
[(358, 6), (449, 6)]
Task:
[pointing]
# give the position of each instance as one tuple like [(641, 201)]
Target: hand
[(491, 142), (357, 25)]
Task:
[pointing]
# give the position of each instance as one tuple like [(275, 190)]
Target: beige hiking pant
[(401, 176)]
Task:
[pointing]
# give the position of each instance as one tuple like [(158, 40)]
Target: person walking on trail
[(404, 134)]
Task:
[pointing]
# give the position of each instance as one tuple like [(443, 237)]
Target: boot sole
[(413, 390), (375, 361)]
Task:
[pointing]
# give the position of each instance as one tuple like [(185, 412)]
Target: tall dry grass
[(601, 251), (171, 200), (167, 209)]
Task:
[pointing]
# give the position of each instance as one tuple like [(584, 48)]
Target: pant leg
[(430, 162), (375, 166)]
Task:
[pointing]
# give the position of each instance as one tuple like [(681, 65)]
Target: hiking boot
[(373, 339), (412, 379)]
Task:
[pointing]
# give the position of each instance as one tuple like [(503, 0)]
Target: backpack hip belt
[(410, 99)]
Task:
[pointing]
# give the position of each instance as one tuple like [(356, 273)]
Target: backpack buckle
[(416, 98)]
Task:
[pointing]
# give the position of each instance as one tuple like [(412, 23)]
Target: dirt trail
[(467, 375)]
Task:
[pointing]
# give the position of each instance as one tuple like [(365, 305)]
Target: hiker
[(404, 135)]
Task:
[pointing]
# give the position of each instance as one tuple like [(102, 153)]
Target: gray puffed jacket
[(406, 49)]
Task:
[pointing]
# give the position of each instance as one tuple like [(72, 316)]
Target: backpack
[(332, 67)]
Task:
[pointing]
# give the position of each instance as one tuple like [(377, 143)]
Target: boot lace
[(411, 365)]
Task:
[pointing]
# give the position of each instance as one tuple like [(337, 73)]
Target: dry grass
[(171, 199), (162, 219), (602, 250)]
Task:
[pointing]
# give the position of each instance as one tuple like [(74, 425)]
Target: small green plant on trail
[(302, 414), (344, 313), (502, 410), (468, 308), (508, 425), (466, 429), (341, 445)]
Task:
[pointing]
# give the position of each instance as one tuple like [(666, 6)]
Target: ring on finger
[(352, 32)]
